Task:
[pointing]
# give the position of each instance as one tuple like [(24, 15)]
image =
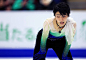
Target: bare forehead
[(58, 13)]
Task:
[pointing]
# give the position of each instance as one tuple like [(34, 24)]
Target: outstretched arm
[(44, 37), (66, 49), (67, 46), (45, 32)]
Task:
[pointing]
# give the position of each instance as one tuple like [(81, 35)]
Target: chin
[(62, 25)]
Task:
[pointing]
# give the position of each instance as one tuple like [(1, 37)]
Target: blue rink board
[(81, 53)]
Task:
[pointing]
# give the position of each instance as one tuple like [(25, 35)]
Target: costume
[(50, 38)]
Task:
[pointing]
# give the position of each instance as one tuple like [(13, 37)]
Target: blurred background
[(13, 5), (20, 21)]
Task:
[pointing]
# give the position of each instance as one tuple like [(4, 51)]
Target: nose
[(61, 18)]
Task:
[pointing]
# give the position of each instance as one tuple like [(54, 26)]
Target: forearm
[(43, 45), (66, 49), (44, 37)]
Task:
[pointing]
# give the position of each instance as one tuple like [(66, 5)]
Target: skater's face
[(61, 19)]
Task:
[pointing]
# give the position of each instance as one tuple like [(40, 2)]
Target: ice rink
[(18, 34), (32, 59)]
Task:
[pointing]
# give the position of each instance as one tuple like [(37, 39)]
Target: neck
[(59, 26)]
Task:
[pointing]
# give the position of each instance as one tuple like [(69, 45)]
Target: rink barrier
[(81, 53)]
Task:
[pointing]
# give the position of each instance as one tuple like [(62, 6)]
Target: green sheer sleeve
[(44, 37), (70, 36), (66, 49)]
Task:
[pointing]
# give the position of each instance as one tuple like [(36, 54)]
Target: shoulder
[(49, 20), (71, 21)]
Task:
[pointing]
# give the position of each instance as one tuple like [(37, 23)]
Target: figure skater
[(57, 33)]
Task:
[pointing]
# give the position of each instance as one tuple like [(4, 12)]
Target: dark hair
[(62, 7)]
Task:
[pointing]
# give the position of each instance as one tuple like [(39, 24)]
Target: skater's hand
[(39, 55), (65, 51), (64, 58)]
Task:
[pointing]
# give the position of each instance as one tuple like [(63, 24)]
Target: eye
[(63, 16), (58, 16)]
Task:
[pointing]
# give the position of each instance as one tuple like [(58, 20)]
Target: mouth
[(61, 22)]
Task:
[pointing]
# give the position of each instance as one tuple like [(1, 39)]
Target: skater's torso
[(52, 29)]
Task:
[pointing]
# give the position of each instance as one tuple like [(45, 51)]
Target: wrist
[(42, 52)]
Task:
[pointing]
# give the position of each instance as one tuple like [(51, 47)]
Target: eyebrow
[(58, 14)]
